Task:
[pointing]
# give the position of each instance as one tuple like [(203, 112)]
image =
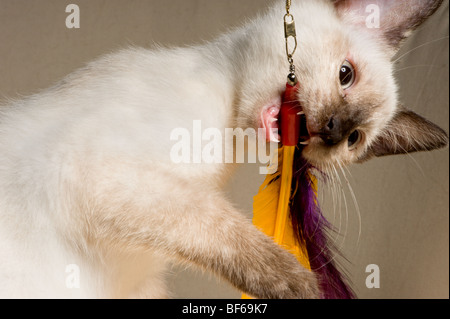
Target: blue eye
[(346, 75)]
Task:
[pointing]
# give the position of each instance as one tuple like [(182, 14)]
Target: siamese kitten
[(86, 178)]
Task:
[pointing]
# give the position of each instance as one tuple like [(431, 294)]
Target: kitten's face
[(348, 94)]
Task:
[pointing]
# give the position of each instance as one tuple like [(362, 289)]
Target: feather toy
[(286, 206)]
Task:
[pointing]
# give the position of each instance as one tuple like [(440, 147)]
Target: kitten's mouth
[(270, 122), (304, 133)]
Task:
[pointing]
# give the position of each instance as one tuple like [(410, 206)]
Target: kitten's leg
[(201, 227), (153, 287)]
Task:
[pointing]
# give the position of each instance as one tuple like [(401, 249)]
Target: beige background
[(403, 200)]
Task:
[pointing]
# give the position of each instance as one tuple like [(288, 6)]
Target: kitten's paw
[(286, 278), (298, 283), (305, 287)]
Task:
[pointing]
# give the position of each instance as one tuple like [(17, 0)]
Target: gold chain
[(289, 32), (288, 6)]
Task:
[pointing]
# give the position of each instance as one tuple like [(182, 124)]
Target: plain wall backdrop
[(403, 224)]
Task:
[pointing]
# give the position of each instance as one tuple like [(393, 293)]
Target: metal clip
[(289, 31)]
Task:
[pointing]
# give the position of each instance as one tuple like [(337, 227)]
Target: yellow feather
[(271, 207)]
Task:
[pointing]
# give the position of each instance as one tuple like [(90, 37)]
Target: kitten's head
[(347, 88)]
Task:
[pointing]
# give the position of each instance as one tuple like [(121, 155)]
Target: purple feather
[(312, 230)]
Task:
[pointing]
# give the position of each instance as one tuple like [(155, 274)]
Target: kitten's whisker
[(331, 176), (346, 214), (338, 185), (418, 47), (415, 66), (355, 202), (333, 189), (400, 146), (338, 191), (411, 157), (419, 93), (336, 199)]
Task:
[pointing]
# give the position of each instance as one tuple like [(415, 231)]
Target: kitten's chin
[(323, 157), (311, 154)]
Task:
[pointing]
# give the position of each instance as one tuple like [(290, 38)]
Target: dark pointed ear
[(407, 132), (390, 20)]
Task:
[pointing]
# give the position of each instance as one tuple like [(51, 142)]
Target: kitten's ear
[(407, 132), (392, 20)]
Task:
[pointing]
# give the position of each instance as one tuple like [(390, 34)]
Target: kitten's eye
[(354, 139), (347, 75)]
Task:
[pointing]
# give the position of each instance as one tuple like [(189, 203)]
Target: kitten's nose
[(335, 130)]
